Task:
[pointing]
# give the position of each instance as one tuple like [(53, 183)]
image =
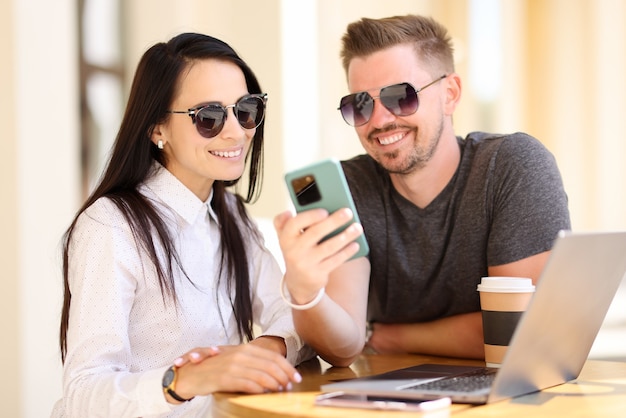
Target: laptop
[(550, 344)]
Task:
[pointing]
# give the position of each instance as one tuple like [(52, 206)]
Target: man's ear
[(453, 93)]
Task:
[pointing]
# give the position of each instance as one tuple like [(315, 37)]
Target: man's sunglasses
[(400, 99), (209, 119)]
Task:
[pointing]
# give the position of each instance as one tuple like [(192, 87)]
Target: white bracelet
[(306, 306)]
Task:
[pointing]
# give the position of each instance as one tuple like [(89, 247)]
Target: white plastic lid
[(506, 285)]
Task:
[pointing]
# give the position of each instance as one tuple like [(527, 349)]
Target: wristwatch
[(169, 384)]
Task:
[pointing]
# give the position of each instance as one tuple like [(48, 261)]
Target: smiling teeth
[(227, 154), (390, 139)]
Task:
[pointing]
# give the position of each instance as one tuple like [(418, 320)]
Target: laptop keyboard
[(466, 382)]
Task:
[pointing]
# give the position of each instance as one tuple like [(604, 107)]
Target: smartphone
[(323, 185), (357, 400)]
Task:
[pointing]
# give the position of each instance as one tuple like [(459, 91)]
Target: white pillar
[(40, 187)]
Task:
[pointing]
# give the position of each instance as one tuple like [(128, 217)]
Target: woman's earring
[(160, 144)]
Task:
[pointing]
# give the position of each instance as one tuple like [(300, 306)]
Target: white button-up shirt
[(123, 334)]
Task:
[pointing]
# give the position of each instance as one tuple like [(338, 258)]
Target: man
[(438, 211)]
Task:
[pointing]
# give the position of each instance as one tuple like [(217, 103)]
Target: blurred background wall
[(552, 68)]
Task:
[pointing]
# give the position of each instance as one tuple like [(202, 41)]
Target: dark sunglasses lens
[(250, 112), (210, 120), (356, 109), (400, 99)]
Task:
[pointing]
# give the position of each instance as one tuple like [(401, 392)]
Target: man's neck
[(423, 185)]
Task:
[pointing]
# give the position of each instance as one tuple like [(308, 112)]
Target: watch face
[(168, 377)]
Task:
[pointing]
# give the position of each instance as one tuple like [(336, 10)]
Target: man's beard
[(418, 158)]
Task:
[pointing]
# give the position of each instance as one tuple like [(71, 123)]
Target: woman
[(165, 273)]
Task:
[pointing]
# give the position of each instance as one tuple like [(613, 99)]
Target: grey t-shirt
[(505, 202)]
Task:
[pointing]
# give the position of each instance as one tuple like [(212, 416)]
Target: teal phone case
[(323, 185)]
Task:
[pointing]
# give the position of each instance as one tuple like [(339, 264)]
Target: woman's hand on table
[(196, 355), (245, 368)]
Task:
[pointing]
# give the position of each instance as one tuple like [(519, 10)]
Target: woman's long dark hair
[(154, 86)]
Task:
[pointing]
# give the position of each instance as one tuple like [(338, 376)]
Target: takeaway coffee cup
[(503, 300)]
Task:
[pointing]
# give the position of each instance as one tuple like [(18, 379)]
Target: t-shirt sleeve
[(528, 201)]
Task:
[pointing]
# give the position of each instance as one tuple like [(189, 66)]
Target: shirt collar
[(168, 189)]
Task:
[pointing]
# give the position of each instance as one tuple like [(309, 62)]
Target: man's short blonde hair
[(432, 43)]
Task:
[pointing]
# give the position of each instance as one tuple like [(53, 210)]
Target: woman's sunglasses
[(209, 119), (400, 99)]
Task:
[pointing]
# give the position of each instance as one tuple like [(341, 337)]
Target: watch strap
[(175, 396), (169, 388)]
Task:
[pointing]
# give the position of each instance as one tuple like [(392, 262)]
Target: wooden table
[(600, 391)]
